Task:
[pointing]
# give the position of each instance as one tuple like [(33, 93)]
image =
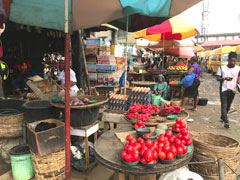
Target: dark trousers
[(226, 101)]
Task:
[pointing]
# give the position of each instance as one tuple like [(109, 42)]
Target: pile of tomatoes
[(169, 110), (139, 125), (166, 147), (142, 112)]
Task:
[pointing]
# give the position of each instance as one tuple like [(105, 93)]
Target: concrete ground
[(206, 119)]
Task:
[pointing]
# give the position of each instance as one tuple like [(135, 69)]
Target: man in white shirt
[(229, 76), (73, 79)]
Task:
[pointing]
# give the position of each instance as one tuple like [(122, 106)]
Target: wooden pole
[(67, 95), (220, 169), (84, 62), (126, 60)]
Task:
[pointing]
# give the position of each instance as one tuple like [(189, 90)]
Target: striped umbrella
[(174, 28)]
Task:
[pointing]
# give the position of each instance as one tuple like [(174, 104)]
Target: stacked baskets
[(210, 147)]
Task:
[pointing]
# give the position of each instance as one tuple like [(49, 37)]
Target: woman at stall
[(192, 91), (161, 87)]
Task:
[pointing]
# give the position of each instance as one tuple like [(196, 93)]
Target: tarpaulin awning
[(91, 13)]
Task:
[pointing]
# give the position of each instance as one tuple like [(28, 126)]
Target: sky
[(224, 16)]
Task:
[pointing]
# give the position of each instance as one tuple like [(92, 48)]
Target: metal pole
[(126, 63), (67, 95), (220, 169)]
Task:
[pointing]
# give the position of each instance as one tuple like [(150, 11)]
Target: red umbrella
[(181, 52)]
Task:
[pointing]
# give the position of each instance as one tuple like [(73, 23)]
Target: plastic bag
[(181, 174), (156, 100)]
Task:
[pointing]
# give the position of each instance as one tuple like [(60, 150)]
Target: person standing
[(228, 76), (192, 91), (73, 79)]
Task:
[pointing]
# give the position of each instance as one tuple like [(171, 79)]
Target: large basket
[(210, 147), (50, 167)]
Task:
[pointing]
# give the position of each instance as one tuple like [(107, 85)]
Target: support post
[(126, 60), (220, 169)]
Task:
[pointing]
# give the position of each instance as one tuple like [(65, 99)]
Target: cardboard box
[(91, 67), (106, 67), (101, 58), (104, 76), (93, 43), (91, 59), (112, 62), (91, 51), (48, 141)]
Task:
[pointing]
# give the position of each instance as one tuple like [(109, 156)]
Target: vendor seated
[(161, 87)]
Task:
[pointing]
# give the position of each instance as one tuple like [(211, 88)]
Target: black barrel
[(83, 117), (40, 110), (11, 106)]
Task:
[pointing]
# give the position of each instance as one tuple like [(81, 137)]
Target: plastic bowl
[(135, 120), (189, 149), (172, 117), (167, 161), (181, 156), (153, 137), (142, 131), (130, 164), (149, 165)]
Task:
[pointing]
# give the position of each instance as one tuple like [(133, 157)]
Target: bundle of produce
[(79, 101), (178, 67), (118, 102), (168, 110)]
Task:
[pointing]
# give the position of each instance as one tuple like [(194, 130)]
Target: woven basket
[(50, 167), (11, 126), (210, 147)]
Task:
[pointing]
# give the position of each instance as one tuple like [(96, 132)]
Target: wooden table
[(149, 84), (108, 149), (105, 90), (137, 76)]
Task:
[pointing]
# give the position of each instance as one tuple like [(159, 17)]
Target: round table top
[(108, 149)]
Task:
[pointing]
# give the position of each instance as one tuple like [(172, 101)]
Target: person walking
[(228, 76), (192, 91)]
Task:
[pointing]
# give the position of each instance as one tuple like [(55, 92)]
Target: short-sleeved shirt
[(225, 71), (72, 79)]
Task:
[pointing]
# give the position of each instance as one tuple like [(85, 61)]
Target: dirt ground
[(206, 119)]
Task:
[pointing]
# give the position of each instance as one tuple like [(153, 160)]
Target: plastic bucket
[(21, 162), (156, 100)]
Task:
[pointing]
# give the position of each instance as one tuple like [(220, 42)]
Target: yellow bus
[(220, 57), (207, 58), (238, 55)]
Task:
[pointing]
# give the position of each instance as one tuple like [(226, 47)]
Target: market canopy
[(90, 13), (174, 28), (181, 52)]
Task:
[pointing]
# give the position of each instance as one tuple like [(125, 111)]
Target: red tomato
[(144, 147), (152, 148), (160, 145), (139, 123), (143, 160), (171, 139), (166, 149), (152, 162), (183, 142), (168, 134), (183, 125), (177, 125), (141, 126), (133, 142), (155, 155), (126, 146), (179, 151), (173, 149), (161, 138), (183, 131), (189, 142), (177, 130), (138, 146), (178, 143), (123, 154), (155, 146), (186, 137), (130, 149), (128, 158), (148, 143), (135, 126), (135, 157), (148, 155), (178, 120), (135, 151), (179, 136), (185, 149), (159, 149), (129, 137), (162, 155), (170, 156), (140, 140), (147, 135), (141, 152), (155, 142)]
